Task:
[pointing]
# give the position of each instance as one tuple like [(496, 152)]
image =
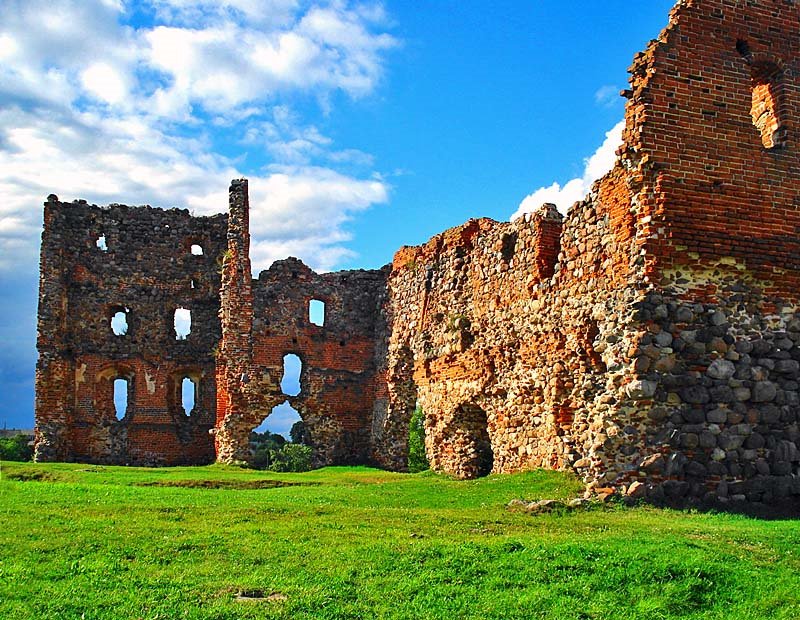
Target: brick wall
[(267, 318), (649, 340), (147, 270)]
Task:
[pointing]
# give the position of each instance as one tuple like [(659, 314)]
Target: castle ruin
[(648, 341)]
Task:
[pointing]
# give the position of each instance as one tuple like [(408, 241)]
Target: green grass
[(79, 541)]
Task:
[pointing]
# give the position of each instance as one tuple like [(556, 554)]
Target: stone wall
[(100, 261), (658, 354), (648, 341), (711, 135), (268, 318)]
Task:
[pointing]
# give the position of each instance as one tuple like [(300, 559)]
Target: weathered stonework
[(265, 319), (147, 271), (649, 340)]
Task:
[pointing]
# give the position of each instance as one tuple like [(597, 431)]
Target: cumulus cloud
[(132, 114), (302, 212), (564, 196), (227, 63)]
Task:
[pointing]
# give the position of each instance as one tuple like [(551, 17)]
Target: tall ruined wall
[(514, 339), (661, 348), (100, 261), (337, 381), (711, 134)]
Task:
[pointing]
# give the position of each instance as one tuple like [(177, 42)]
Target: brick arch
[(768, 109), (104, 391)]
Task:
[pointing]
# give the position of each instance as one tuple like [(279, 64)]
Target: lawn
[(80, 541)]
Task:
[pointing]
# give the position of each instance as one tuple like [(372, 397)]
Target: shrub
[(417, 460), (15, 448), (291, 457)]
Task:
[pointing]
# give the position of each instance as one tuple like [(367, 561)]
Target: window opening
[(101, 243), (292, 367), (119, 322), (316, 312), (280, 421), (509, 245), (197, 250), (121, 397), (183, 323), (765, 105), (188, 394)]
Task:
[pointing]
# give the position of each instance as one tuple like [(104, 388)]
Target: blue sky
[(362, 126)]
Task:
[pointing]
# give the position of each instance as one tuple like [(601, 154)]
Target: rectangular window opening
[(316, 312), (182, 322)]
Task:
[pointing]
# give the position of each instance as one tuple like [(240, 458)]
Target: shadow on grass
[(239, 485), (785, 510)]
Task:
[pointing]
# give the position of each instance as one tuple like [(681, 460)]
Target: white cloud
[(564, 196), (227, 64), (193, 12), (116, 116), (103, 81), (607, 96)]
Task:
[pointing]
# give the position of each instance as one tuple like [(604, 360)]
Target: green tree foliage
[(15, 448), (291, 457), (271, 451), (417, 461), (299, 433)]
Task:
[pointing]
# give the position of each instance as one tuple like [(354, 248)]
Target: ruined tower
[(112, 366)]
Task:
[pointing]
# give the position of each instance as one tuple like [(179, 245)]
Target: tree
[(291, 457), (417, 460), (299, 433), (15, 448)]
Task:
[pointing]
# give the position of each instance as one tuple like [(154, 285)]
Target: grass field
[(79, 541)]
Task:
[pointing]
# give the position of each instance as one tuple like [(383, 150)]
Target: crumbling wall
[(337, 382), (660, 353), (100, 261), (711, 134), (513, 338), (649, 340)]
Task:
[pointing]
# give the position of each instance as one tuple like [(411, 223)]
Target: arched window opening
[(119, 322), (121, 387), (471, 421), (182, 322), (292, 368), (196, 249), (280, 421), (765, 110), (101, 243), (316, 312), (188, 394)]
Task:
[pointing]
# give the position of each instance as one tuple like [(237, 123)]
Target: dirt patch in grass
[(237, 485), (250, 596), (30, 475)]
